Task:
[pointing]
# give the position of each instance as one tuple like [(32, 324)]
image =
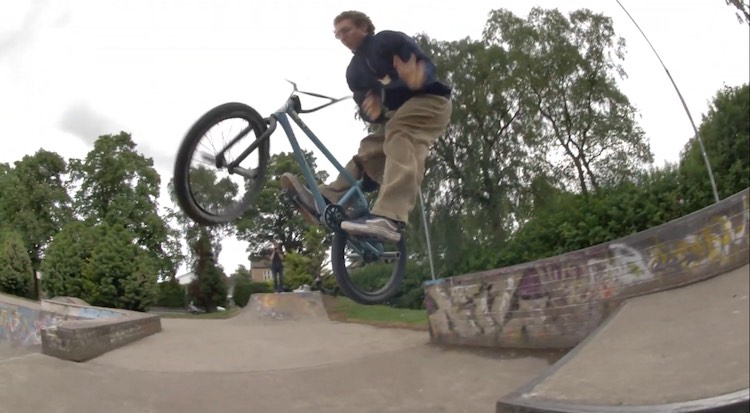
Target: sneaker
[(375, 226), (302, 196)]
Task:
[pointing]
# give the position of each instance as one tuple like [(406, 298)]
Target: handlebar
[(332, 100)]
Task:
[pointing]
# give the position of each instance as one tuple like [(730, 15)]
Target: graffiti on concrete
[(288, 305), (556, 302), (21, 326), (711, 243)]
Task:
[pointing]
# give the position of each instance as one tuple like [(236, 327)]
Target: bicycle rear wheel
[(198, 189), (347, 281)]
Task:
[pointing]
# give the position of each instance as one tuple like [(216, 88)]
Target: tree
[(242, 273), (212, 193), (119, 186), (565, 67), (479, 165), (102, 265), (35, 202), (270, 219), (204, 242), (209, 287), (119, 274), (725, 131), (15, 266), (171, 294), (66, 258)]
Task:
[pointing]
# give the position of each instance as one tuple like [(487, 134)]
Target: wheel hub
[(333, 216)]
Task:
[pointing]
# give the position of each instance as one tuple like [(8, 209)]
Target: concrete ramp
[(21, 323), (65, 329), (685, 350), (294, 306)]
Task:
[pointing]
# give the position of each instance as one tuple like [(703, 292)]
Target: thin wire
[(684, 105)]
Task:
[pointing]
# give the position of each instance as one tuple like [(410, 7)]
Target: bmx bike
[(364, 250)]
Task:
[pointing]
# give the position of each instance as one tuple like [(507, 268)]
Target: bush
[(15, 266), (243, 289), (409, 295), (171, 295)]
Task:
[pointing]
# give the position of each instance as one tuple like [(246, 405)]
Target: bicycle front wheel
[(202, 193)]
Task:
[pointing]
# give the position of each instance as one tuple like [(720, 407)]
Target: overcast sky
[(73, 70)]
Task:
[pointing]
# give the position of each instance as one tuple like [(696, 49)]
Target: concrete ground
[(237, 365), (675, 346)]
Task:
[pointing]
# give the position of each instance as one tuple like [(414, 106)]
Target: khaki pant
[(395, 156)]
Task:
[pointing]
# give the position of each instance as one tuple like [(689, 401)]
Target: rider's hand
[(411, 71), (371, 106)]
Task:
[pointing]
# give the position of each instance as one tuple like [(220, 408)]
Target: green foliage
[(101, 265), (35, 202), (120, 186), (65, 260), (328, 284), (119, 273), (212, 193), (725, 132), (297, 271), (209, 288), (171, 294), (410, 294), (536, 112), (15, 266), (242, 273), (272, 220), (480, 161), (243, 289), (577, 221), (565, 70)]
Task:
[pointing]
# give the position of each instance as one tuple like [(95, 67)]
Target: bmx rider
[(395, 86)]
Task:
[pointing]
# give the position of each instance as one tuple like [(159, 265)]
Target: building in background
[(260, 271)]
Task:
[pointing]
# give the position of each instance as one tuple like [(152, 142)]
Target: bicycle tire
[(338, 262), (185, 199)]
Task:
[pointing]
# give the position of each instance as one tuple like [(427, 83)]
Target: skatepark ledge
[(70, 331)]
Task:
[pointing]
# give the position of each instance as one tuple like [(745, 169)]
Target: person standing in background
[(277, 268)]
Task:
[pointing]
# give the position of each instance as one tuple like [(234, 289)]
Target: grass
[(344, 309), (339, 309), (204, 316)]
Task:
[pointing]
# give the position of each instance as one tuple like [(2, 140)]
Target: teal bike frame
[(291, 109)]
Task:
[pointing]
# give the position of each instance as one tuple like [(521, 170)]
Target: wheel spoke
[(348, 262), (210, 190)]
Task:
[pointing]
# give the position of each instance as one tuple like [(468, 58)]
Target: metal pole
[(684, 105), (426, 234)]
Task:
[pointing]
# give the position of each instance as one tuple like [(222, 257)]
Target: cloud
[(162, 161), (86, 123), (33, 21)]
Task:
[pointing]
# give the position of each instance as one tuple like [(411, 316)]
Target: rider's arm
[(360, 91), (401, 45)]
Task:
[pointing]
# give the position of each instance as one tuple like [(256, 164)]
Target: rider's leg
[(410, 134), (370, 159)]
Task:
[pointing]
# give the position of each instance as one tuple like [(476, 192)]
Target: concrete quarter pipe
[(658, 319), (684, 350)]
